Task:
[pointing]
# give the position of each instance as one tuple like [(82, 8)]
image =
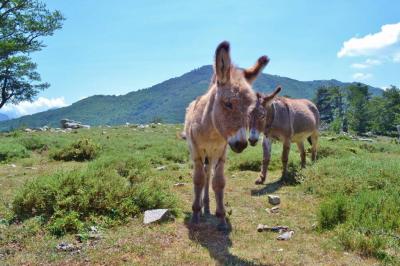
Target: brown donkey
[(212, 121), (289, 120)]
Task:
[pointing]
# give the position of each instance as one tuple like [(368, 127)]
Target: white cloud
[(371, 43), (27, 108), (361, 76), (368, 63)]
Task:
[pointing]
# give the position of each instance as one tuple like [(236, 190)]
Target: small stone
[(179, 184), (63, 246), (314, 226), (161, 168), (274, 199), (286, 235), (156, 215), (273, 209), (13, 165)]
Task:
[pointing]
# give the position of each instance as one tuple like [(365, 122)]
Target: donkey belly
[(301, 136)]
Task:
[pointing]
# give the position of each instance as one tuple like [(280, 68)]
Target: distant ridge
[(4, 117), (166, 101)]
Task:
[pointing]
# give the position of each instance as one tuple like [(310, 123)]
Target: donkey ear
[(251, 73), (222, 63), (268, 99)]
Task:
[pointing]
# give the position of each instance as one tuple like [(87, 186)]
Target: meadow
[(55, 187)]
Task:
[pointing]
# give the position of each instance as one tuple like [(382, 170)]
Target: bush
[(332, 212), (10, 151), (68, 200), (65, 223), (33, 143), (82, 150)]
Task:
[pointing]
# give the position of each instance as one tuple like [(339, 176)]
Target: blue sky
[(115, 48)]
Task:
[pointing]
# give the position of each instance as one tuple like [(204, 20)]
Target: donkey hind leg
[(218, 185), (314, 143), (199, 180), (267, 144), (206, 197), (285, 157), (300, 146)]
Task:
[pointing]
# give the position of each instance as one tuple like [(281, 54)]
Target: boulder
[(68, 123), (156, 215)]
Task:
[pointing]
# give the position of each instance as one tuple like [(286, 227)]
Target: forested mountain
[(165, 101)]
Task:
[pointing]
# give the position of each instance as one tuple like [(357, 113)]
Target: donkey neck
[(207, 118), (270, 116)]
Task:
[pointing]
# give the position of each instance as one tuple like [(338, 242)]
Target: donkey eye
[(228, 105)]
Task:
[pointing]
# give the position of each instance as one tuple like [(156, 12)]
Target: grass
[(350, 194)]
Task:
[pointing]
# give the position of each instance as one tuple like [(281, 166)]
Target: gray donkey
[(285, 119)]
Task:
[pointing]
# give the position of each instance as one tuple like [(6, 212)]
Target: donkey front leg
[(206, 196), (218, 185), (285, 157), (267, 144), (199, 181)]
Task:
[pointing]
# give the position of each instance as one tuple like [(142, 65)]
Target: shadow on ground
[(290, 179), (217, 243)]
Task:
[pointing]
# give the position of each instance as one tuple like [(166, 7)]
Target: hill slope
[(166, 100), (3, 117)]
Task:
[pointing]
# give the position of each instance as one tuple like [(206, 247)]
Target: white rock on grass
[(161, 168), (156, 215), (274, 199), (286, 236)]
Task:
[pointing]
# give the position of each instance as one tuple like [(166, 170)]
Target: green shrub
[(332, 212), (81, 150), (63, 223), (33, 143), (10, 151), (365, 245), (98, 191)]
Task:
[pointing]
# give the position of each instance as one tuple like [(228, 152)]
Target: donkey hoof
[(222, 227), (259, 181), (195, 218)]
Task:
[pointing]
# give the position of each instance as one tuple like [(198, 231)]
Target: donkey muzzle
[(238, 142), (253, 138)]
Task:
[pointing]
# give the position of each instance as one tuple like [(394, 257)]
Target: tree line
[(354, 109)]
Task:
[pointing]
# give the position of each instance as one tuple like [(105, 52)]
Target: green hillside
[(166, 101)]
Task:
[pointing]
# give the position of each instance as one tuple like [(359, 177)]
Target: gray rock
[(68, 123), (274, 199), (156, 215), (63, 246), (273, 209)]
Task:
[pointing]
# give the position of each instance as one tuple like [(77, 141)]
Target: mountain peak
[(166, 101)]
